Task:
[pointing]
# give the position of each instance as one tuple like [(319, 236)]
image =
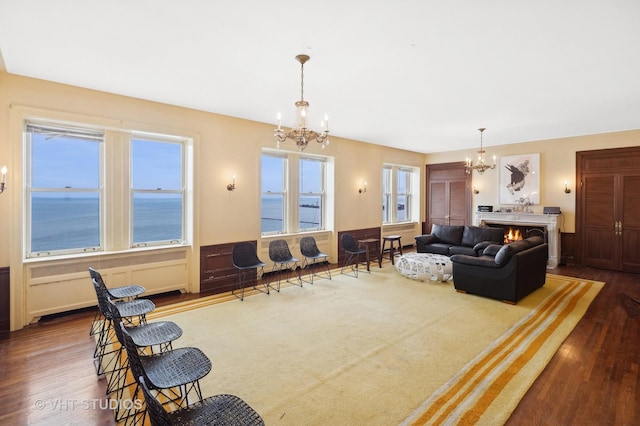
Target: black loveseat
[(450, 239), (507, 273)]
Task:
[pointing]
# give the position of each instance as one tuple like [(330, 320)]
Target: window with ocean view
[(290, 211), (396, 193), (82, 197), (63, 189), (156, 191)]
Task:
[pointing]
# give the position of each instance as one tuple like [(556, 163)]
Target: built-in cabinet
[(447, 194), (608, 208), (217, 273)]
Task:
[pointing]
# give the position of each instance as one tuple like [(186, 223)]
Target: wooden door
[(608, 208), (448, 195)]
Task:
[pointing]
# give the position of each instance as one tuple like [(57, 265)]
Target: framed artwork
[(519, 179)]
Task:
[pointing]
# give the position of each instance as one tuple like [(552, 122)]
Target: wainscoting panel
[(63, 285), (407, 232)]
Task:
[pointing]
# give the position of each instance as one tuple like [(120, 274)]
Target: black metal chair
[(132, 311), (174, 374), (352, 255), (246, 261), (146, 337), (126, 292), (283, 261), (224, 409), (314, 257)]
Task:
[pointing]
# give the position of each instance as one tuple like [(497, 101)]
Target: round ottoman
[(425, 266)]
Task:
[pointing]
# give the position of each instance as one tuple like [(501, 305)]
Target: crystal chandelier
[(481, 166), (301, 133)]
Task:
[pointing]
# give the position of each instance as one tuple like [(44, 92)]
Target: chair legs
[(280, 268), (312, 267), (349, 264), (242, 280)]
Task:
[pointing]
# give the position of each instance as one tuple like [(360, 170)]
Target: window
[(397, 199), (274, 170), (156, 191), (291, 211), (90, 189), (64, 197)]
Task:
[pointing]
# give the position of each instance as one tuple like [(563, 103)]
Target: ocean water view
[(63, 223)]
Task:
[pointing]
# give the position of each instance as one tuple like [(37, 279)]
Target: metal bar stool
[(391, 239)]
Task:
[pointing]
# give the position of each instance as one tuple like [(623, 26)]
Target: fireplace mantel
[(549, 221)]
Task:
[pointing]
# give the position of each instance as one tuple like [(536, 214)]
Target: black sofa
[(508, 272), (450, 239)]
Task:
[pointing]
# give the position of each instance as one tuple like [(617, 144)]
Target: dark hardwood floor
[(47, 375)]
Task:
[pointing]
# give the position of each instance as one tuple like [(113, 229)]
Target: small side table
[(391, 239), (371, 245)]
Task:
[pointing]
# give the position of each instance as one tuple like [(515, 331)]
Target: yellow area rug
[(380, 349)]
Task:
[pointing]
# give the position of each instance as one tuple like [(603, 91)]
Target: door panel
[(630, 223), (599, 224), (438, 207), (457, 206), (608, 208)]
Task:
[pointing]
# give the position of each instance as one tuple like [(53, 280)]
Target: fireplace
[(528, 225), (515, 232)]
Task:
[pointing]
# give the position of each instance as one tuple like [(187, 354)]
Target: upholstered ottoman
[(425, 266)]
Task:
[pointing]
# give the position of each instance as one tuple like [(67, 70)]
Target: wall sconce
[(475, 190), (567, 190), (232, 185), (3, 180), (363, 189)]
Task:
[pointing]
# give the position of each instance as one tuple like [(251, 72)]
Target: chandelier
[(301, 133), (481, 166)]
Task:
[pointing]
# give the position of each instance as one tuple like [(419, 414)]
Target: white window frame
[(390, 172), (115, 174), (291, 214), (181, 191)]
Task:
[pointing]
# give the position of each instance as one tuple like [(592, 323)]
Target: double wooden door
[(448, 195), (608, 208)]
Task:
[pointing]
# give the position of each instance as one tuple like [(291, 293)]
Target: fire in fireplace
[(516, 232)]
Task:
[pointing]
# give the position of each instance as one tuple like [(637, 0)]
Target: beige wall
[(225, 146), (557, 165)]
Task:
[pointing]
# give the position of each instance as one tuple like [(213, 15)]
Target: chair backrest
[(132, 352), (244, 256), (349, 243), (96, 275), (102, 296), (279, 251), (308, 247), (157, 413), (116, 318)]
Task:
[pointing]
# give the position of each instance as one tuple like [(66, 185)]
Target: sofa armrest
[(481, 261), (491, 250), (426, 239)]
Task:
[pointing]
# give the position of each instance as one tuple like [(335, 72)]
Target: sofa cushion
[(504, 254), (473, 235), (448, 234), (491, 250), (439, 248), (462, 250)]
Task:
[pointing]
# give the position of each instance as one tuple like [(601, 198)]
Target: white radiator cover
[(63, 285)]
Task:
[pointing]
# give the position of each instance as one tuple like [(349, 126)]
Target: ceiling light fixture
[(301, 133), (481, 166)]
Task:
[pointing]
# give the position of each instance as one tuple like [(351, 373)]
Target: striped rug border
[(469, 394)]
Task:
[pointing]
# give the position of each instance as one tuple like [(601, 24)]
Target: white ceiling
[(421, 75)]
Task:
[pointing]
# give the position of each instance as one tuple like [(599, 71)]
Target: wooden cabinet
[(448, 197), (217, 273), (608, 208)]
